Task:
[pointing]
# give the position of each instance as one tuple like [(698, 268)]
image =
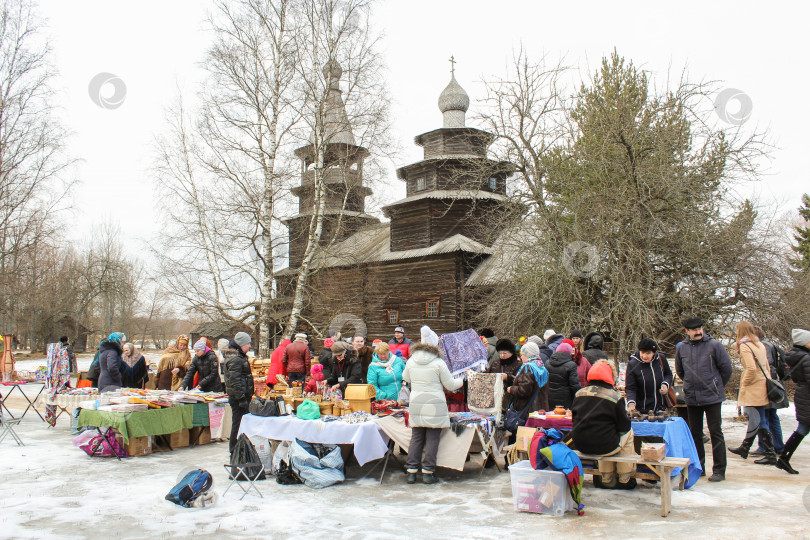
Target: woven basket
[(326, 407)]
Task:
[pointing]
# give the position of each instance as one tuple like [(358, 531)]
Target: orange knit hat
[(601, 371)]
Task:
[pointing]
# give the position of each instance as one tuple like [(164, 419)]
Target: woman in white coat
[(429, 378)]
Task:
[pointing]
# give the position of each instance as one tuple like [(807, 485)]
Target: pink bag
[(104, 446)]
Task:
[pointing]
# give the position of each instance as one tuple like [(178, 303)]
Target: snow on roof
[(449, 194), (373, 244)]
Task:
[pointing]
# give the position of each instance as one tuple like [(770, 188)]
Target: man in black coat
[(239, 381), (204, 363), (703, 365), (602, 427)]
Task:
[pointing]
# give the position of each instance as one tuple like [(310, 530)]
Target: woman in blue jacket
[(385, 372), (648, 378)]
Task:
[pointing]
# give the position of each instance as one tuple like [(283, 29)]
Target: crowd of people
[(538, 374)]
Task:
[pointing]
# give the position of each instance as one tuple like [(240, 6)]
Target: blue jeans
[(295, 377), (757, 419), (803, 429), (776, 432)]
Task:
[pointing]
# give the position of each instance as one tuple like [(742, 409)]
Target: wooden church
[(421, 266)]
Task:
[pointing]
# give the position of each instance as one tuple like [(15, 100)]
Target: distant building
[(216, 330), (415, 269)]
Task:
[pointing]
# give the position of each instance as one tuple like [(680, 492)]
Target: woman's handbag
[(515, 419), (670, 399), (775, 390), (263, 407)]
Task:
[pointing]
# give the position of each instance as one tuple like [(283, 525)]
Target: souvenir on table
[(360, 396)]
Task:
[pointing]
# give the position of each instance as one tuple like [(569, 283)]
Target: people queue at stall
[(540, 374)]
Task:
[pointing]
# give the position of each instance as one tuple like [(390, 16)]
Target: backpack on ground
[(193, 485)]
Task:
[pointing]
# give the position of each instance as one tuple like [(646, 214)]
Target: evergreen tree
[(802, 237)]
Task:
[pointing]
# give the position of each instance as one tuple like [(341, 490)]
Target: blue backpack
[(193, 484)]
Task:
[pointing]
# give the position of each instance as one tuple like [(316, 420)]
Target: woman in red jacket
[(276, 366)]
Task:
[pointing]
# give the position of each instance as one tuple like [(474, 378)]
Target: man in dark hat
[(703, 365)]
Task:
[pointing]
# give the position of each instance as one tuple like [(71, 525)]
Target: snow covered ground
[(49, 489)]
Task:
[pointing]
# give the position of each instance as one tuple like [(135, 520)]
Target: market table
[(369, 441), (153, 421), (676, 434), (673, 431), (453, 449), (556, 422), (18, 386)]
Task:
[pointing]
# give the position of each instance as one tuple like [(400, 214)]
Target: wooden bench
[(661, 471)]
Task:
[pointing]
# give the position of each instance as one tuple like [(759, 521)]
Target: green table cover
[(151, 422)]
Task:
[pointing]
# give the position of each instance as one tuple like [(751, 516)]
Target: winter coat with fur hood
[(429, 378)]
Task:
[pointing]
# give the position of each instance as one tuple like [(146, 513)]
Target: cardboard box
[(179, 439), (204, 433), (524, 438), (137, 446), (653, 451), (360, 396)]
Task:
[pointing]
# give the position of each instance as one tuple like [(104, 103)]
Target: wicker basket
[(295, 391), (326, 407)]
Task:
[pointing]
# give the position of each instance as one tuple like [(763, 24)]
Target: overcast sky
[(155, 47)]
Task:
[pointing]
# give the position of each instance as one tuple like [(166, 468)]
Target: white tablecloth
[(369, 441), (453, 449)]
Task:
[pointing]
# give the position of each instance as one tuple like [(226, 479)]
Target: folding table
[(18, 386)]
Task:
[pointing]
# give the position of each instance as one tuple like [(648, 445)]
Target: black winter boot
[(790, 446), (745, 446), (769, 457)]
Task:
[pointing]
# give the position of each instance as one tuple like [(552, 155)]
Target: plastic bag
[(281, 455), (308, 410), (265, 451), (404, 395), (317, 465)]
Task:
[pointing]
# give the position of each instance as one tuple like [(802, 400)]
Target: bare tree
[(335, 44), (220, 173), (33, 166)]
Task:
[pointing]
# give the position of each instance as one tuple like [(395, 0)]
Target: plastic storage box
[(541, 492)]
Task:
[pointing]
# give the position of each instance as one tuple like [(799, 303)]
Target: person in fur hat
[(317, 376)]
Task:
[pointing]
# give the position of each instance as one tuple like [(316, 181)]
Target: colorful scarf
[(462, 351), (539, 371)]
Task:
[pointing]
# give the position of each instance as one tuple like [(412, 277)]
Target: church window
[(420, 183), (432, 308)]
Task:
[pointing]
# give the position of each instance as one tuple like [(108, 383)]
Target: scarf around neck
[(535, 365), (388, 366)]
